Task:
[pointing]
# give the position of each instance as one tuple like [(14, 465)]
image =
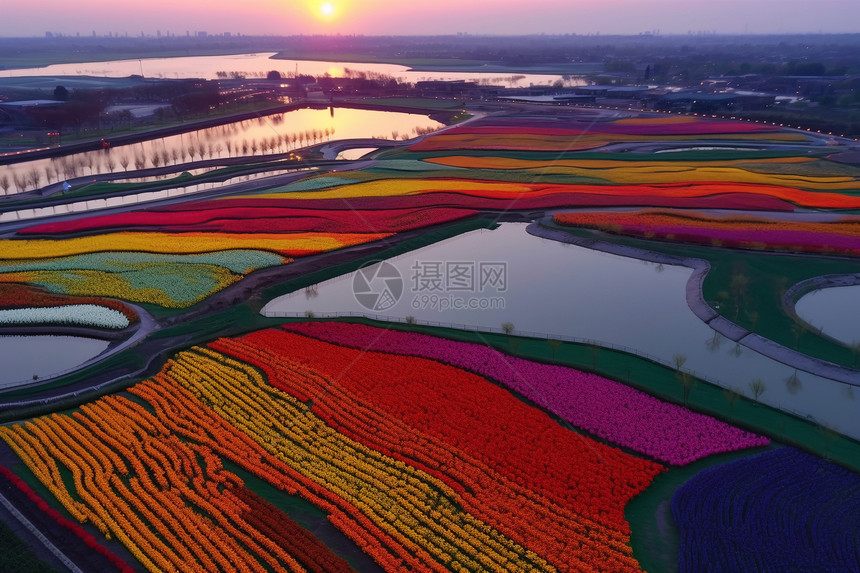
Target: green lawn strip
[(16, 556), (655, 537), (820, 168), (308, 516), (767, 275), (659, 381)]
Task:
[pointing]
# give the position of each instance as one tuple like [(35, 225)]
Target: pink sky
[(406, 17)]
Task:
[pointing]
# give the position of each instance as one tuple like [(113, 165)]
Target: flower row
[(171, 503), (620, 194), (606, 408), (237, 261), (840, 236), (393, 495), (63, 530), (512, 505), (778, 511), (169, 285), (655, 172), (14, 295), (78, 315), (564, 140), (259, 219), (180, 411), (294, 244)]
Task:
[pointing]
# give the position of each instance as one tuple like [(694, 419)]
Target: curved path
[(796, 292), (700, 307), (145, 326)]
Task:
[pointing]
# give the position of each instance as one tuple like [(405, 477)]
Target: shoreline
[(700, 307)]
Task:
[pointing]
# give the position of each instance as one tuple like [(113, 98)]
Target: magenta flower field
[(607, 409)]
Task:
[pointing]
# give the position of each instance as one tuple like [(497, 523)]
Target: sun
[(327, 10)]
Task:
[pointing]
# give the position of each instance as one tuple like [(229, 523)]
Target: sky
[(411, 17)]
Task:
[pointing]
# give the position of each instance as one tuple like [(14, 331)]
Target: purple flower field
[(608, 409)]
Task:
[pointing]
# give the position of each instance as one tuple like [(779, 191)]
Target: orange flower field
[(492, 483)]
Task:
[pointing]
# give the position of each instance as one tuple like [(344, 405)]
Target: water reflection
[(258, 65), (563, 291), (264, 135)]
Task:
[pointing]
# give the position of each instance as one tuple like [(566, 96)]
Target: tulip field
[(225, 440), (483, 482), (775, 511), (837, 236)]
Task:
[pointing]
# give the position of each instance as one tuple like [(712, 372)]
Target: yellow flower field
[(183, 243)]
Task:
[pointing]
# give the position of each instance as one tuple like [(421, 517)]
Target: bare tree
[(35, 177), (124, 161), (757, 386), (686, 380), (20, 181), (731, 395), (4, 183), (793, 383)]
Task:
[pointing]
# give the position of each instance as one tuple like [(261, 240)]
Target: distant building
[(693, 102), (20, 114)]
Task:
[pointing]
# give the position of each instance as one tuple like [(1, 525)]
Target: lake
[(258, 65), (275, 133), (43, 356), (556, 290)]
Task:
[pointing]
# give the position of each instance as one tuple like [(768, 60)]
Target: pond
[(555, 290), (258, 65), (355, 153), (835, 310), (43, 355), (275, 133)]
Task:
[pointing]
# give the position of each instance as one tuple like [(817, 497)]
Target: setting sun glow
[(327, 10)]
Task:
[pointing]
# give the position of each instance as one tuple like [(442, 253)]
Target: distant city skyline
[(395, 17)]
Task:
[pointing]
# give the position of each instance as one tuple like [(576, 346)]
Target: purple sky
[(405, 17)]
